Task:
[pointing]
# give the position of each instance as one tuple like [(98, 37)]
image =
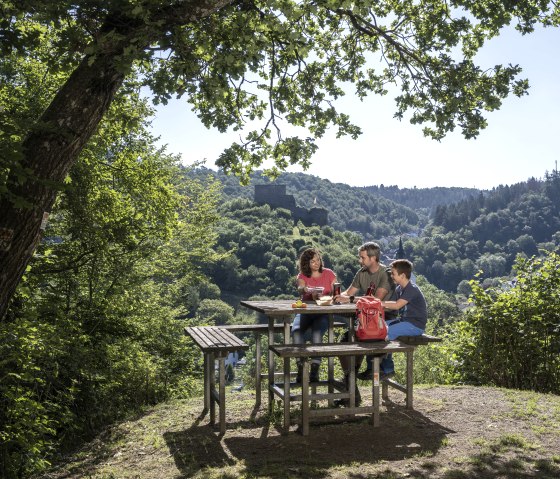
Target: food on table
[(299, 304), (324, 300)]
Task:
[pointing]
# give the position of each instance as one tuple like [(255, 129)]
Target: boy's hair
[(371, 248), (402, 266)]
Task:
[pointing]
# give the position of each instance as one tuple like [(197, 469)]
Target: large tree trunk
[(49, 151), (57, 139)]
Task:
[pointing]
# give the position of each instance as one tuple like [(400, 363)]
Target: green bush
[(511, 337)]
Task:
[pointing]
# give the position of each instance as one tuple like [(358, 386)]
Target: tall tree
[(276, 61)]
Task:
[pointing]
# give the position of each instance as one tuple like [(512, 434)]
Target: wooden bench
[(419, 340), (258, 330), (377, 349), (215, 343)]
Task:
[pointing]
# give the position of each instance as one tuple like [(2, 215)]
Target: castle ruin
[(276, 197)]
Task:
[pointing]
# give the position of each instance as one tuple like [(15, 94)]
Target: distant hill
[(373, 212), (423, 198), (449, 233), (487, 232)]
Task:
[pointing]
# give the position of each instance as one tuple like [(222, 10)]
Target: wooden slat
[(252, 328), (214, 339), (338, 349), (263, 328), (284, 308), (418, 340)]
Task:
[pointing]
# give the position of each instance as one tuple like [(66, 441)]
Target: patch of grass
[(429, 465), (480, 441), (422, 454), (276, 416), (548, 465), (529, 406), (515, 464), (509, 441), (455, 474)]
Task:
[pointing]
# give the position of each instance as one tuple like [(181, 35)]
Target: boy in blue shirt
[(411, 307)]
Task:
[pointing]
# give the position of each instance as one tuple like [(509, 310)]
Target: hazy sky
[(521, 141)]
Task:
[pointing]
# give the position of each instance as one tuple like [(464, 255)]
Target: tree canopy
[(279, 63)]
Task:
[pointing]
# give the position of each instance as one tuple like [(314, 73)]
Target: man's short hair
[(371, 248), (403, 266)]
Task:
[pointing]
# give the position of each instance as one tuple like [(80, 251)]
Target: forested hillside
[(423, 198), (481, 233), (372, 211), (487, 232)]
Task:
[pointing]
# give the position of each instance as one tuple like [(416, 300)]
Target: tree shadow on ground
[(197, 447), (506, 465), (334, 442)]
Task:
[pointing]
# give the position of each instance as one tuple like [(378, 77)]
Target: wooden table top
[(340, 349), (283, 307)]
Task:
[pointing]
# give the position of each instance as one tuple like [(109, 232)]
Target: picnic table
[(283, 312), (217, 342)]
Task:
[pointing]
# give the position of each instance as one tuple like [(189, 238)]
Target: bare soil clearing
[(454, 432)]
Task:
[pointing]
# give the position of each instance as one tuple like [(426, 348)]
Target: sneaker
[(341, 403), (384, 376), (365, 375), (346, 402)]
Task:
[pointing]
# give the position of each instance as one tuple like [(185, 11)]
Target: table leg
[(258, 369), (352, 381), (212, 388), (330, 360), (207, 372), (305, 398), (286, 395), (222, 393), (409, 378), (270, 363), (287, 325), (385, 391), (375, 391)]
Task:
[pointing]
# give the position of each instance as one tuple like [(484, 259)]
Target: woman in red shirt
[(312, 275)]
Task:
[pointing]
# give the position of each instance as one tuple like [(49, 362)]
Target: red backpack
[(371, 320)]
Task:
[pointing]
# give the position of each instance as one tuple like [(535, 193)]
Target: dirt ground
[(453, 432)]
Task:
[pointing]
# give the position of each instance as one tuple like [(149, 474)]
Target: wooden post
[(330, 360), (286, 395), (258, 369), (305, 398), (222, 392), (409, 378), (352, 381), (270, 363), (212, 376), (375, 391), (207, 372)]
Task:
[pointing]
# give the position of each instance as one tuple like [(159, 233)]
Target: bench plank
[(215, 343), (338, 349), (215, 339), (420, 339)]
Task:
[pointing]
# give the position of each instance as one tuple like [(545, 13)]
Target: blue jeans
[(317, 323), (404, 328)]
